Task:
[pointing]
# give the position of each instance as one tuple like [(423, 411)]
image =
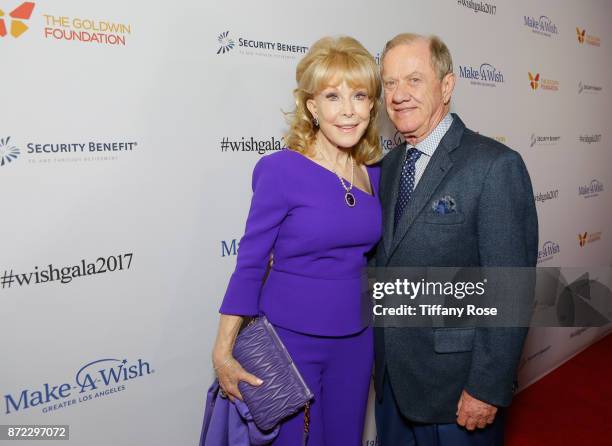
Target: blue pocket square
[(444, 205)]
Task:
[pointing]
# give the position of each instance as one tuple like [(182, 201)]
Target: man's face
[(415, 98)]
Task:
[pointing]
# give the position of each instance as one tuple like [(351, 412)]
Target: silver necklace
[(349, 198)]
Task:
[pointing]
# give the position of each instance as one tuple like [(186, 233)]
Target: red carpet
[(570, 406)]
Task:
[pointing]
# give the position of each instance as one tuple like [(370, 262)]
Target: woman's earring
[(316, 122)]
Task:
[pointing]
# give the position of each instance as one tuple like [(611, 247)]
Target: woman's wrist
[(222, 364), (221, 355)]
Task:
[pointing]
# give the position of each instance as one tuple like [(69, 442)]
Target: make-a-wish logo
[(591, 190), (95, 380), (226, 43), (8, 152), (17, 15), (549, 251), (543, 26), (229, 248), (390, 143), (485, 76)]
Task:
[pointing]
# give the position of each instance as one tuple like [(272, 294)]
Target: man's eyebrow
[(413, 73)]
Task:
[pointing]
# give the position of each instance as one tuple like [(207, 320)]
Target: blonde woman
[(315, 206)]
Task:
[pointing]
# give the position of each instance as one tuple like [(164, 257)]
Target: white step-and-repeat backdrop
[(128, 132)]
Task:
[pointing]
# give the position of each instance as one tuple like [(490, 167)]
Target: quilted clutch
[(260, 351)]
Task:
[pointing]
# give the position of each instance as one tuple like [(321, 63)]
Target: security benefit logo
[(8, 151), (15, 151), (95, 380), (251, 46), (16, 22), (225, 43), (543, 140), (588, 88)]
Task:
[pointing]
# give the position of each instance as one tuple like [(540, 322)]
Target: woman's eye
[(331, 96), (361, 96)]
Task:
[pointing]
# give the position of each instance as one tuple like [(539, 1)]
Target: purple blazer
[(298, 212)]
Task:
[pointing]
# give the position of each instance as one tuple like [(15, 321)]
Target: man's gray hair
[(441, 59)]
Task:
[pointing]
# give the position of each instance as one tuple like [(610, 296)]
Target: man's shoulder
[(485, 148)]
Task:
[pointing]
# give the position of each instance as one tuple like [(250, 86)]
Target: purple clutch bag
[(283, 393)]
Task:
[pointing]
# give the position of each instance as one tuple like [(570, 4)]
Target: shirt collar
[(428, 145)]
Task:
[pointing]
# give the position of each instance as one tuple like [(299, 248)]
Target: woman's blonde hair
[(334, 60)]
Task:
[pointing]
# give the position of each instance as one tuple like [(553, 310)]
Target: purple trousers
[(338, 372)]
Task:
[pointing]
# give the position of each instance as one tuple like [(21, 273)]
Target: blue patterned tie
[(406, 186)]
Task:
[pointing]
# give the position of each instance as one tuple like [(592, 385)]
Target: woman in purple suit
[(315, 208)]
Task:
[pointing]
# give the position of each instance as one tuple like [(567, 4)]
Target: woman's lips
[(347, 128)]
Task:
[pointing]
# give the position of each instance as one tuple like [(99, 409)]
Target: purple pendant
[(350, 199)]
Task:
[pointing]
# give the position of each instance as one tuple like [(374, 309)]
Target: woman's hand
[(228, 370), (229, 373)]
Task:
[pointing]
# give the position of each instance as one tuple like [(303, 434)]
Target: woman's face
[(343, 113)]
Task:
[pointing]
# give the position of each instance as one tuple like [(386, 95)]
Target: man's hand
[(473, 413)]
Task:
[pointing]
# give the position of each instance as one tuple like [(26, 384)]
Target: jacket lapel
[(438, 167)]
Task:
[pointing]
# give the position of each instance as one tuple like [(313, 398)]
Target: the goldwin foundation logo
[(589, 39), (86, 30), (539, 82), (588, 237), (17, 16)]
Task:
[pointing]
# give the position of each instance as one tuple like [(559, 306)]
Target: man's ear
[(448, 85)]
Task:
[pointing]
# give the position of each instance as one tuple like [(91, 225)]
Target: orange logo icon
[(580, 34), (534, 80), (21, 12), (582, 238)]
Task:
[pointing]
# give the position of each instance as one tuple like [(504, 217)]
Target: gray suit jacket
[(495, 225)]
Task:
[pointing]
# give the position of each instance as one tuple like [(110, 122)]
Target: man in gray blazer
[(443, 386)]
